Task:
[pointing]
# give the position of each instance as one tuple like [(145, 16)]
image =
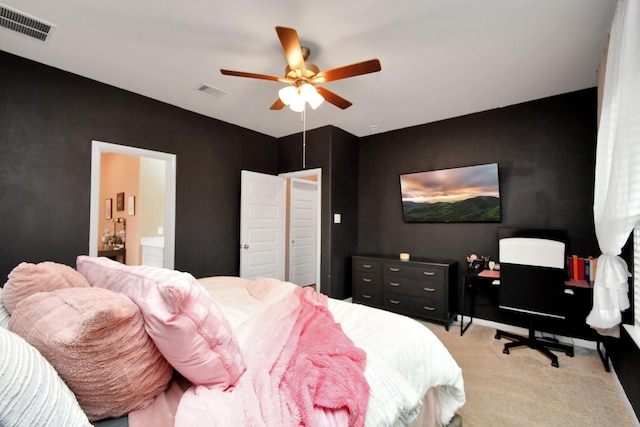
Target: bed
[(412, 379), (407, 368)]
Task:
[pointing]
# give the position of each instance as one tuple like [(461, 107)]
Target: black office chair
[(532, 275)]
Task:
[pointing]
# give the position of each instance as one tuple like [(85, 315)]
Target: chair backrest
[(532, 274)]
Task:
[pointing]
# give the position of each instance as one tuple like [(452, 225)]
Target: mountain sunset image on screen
[(464, 194)]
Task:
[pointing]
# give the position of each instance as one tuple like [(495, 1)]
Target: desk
[(489, 278), (469, 280)]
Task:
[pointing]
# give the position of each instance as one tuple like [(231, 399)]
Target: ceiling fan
[(303, 77)]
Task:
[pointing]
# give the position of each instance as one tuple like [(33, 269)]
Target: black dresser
[(417, 288)]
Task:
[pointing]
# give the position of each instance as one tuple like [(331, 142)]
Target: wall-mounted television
[(464, 194)]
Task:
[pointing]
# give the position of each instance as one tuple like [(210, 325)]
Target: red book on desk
[(580, 268)]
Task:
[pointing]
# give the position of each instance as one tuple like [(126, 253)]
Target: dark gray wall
[(344, 201), (336, 153), (546, 155), (545, 151), (48, 119)]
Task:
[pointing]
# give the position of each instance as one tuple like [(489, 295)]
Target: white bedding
[(404, 358)]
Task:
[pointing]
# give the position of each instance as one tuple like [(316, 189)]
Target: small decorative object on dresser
[(418, 288)]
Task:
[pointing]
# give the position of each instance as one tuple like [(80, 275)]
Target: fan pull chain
[(304, 138)]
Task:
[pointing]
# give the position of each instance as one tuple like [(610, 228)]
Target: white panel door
[(302, 232), (262, 225)]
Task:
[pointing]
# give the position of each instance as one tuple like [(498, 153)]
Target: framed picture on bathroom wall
[(120, 201), (108, 203), (131, 205)]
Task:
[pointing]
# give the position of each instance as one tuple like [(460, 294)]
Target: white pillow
[(31, 392)]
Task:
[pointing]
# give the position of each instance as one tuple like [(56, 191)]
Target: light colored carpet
[(523, 389)]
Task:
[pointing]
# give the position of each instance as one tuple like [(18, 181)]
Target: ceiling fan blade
[(255, 76), (292, 50), (365, 67), (278, 105), (334, 99)]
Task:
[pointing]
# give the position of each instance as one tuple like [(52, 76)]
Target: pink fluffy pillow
[(95, 339), (180, 316), (27, 279)]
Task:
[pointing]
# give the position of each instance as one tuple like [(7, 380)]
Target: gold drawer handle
[(430, 289), (429, 308), (365, 296), (394, 269), (393, 301), (394, 284), (366, 280), (366, 266), (429, 273)]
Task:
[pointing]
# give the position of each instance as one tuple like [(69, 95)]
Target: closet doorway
[(280, 227)]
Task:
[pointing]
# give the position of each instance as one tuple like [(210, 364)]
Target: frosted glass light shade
[(307, 91), (311, 95), (316, 100), (288, 94), (297, 105)]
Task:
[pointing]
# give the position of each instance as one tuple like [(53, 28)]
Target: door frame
[(317, 172), (97, 149)]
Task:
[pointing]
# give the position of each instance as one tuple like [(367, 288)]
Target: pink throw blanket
[(302, 370)]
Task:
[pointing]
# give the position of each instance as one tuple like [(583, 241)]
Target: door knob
[(245, 246)]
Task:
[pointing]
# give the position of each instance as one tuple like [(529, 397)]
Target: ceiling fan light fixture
[(302, 76), (311, 95)]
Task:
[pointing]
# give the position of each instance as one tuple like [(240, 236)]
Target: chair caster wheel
[(498, 336), (505, 351), (555, 364)]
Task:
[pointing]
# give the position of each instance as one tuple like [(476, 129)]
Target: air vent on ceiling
[(24, 24), (211, 91)]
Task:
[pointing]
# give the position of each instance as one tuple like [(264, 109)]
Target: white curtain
[(616, 206)]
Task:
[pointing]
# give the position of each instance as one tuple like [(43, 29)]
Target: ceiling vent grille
[(23, 24), (211, 91)]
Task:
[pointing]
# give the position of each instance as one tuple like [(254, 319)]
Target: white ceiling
[(440, 58)]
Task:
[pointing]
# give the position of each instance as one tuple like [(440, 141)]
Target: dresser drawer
[(412, 306), (367, 296), (414, 287), (368, 265), (367, 280), (427, 272)]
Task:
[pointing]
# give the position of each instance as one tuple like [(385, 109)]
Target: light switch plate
[(337, 218)]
